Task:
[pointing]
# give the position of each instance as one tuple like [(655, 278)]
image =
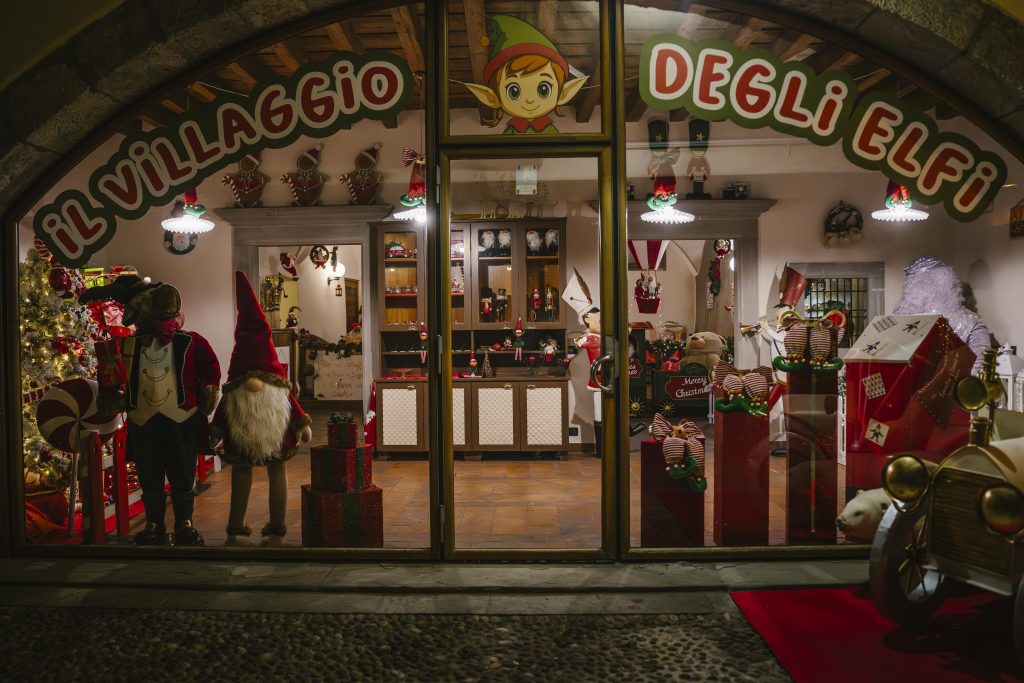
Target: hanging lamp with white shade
[(190, 221), (416, 198), (898, 207), (659, 168)]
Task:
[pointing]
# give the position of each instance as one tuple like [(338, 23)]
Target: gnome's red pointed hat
[(254, 354)]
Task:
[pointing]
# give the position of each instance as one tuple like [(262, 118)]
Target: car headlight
[(1001, 508), (905, 478)]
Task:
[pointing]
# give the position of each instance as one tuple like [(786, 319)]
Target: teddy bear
[(862, 515), (704, 348)]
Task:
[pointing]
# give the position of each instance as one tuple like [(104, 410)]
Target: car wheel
[(903, 590)]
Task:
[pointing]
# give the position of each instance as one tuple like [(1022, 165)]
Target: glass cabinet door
[(460, 278), (495, 249), (401, 280), (542, 296)]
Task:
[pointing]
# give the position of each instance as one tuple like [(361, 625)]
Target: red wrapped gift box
[(899, 379), (342, 434), (342, 520), (341, 469), (741, 478), (670, 516), (811, 405), (110, 370)]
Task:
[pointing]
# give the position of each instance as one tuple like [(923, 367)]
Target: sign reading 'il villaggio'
[(717, 81), (151, 169)]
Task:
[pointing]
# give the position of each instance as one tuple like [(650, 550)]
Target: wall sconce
[(337, 287)]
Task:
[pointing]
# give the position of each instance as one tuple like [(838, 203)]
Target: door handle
[(607, 390)]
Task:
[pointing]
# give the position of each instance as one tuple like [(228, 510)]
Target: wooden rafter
[(251, 70), (201, 92), (750, 31), (156, 117), (343, 36), (802, 43), (546, 13), (680, 114), (635, 106), (291, 54), (175, 103), (871, 80), (390, 122), (407, 36)]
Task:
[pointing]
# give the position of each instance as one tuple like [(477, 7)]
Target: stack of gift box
[(342, 508)]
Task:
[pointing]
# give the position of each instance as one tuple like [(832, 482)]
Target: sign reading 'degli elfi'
[(151, 169), (717, 81)]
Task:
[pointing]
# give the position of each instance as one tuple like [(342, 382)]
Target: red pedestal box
[(812, 467), (341, 469), (670, 517), (342, 520), (899, 379), (741, 479)]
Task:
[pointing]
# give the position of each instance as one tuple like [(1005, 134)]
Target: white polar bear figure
[(862, 515)]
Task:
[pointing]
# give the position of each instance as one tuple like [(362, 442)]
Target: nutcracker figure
[(500, 303), (550, 296), (536, 303), (486, 304)]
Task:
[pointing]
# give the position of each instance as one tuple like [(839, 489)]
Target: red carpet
[(837, 635)]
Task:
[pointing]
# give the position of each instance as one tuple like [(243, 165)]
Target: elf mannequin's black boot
[(598, 438), (186, 534), (155, 532)]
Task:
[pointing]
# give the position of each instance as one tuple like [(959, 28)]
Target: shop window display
[(768, 379)]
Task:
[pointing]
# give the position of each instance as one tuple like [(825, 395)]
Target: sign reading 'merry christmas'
[(717, 81), (151, 169)]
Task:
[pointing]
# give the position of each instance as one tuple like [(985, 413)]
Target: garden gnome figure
[(258, 420), (364, 182), (306, 183), (248, 183)]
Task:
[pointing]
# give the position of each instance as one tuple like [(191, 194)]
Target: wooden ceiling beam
[(252, 70), (750, 31), (407, 36), (291, 54), (201, 92), (944, 112), (344, 37), (546, 13), (589, 99), (156, 117), (872, 80), (476, 33), (635, 106), (680, 114), (390, 122), (802, 43), (174, 103)]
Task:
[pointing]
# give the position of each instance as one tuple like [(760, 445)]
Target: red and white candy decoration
[(67, 409)]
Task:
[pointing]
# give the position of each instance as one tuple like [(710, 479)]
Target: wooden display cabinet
[(401, 415), (401, 265)]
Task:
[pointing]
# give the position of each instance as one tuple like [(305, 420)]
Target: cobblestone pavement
[(59, 643)]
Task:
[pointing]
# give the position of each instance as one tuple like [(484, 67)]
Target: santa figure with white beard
[(258, 419)]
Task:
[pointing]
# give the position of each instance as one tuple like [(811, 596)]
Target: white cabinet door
[(544, 412), (399, 415), (496, 417), (459, 396)]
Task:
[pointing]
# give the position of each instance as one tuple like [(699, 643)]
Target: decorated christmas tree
[(57, 343)]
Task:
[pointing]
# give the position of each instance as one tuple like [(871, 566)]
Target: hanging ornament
[(844, 224), (290, 264), (190, 220), (180, 243), (416, 197), (663, 158), (722, 248), (647, 254), (306, 182), (364, 182), (319, 256), (248, 183), (67, 283), (898, 206)]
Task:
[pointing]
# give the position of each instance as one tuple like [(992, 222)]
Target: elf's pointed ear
[(570, 88), (487, 97)]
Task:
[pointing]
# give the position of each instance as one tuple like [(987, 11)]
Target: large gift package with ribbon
[(342, 508), (811, 405), (900, 376), (672, 485), (110, 368), (342, 431), (341, 469), (741, 454)]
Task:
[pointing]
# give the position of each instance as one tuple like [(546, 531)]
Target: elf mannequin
[(259, 419), (577, 295), (519, 344), (172, 379)]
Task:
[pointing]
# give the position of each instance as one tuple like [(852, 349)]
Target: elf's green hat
[(510, 37)]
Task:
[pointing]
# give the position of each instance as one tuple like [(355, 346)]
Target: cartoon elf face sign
[(526, 78)]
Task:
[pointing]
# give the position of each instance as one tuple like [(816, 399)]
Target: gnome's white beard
[(258, 421)]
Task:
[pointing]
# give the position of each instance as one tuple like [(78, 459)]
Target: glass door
[(529, 465)]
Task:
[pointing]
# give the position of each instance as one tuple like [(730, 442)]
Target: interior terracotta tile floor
[(499, 503)]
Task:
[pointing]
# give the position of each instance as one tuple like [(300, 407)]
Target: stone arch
[(967, 53)]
